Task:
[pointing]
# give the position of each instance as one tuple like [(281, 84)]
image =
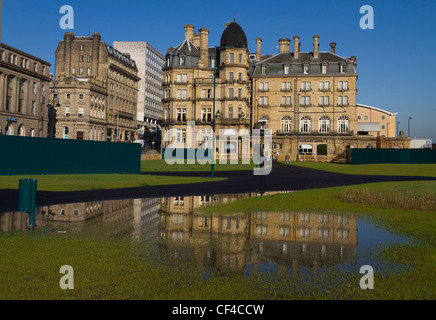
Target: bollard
[(27, 199)]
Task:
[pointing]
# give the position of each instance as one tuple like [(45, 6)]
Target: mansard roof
[(186, 47), (304, 57)]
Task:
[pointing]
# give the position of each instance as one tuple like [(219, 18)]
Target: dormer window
[(343, 68), (306, 69), (324, 69), (286, 69), (182, 61), (264, 69)]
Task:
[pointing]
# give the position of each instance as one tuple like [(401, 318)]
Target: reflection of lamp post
[(53, 106)]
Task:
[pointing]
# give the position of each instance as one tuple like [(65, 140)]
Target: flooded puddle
[(173, 231)]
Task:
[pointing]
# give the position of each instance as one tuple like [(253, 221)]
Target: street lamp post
[(53, 106), (398, 129), (216, 69), (297, 123), (408, 126)]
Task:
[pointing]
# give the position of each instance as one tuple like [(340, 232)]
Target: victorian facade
[(307, 99), (97, 88), (24, 91)]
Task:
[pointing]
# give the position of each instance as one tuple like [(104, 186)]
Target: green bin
[(27, 199)]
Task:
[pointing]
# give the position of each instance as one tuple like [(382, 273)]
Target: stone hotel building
[(307, 99)]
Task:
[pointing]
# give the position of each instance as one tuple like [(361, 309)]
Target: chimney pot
[(296, 47), (316, 46), (333, 47), (189, 32), (284, 45), (258, 48)]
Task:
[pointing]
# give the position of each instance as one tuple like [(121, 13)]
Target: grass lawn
[(161, 165), (62, 183), (106, 268), (418, 170)]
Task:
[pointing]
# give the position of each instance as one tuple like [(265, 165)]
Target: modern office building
[(24, 91), (149, 62)]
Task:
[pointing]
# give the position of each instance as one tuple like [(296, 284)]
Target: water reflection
[(257, 241), (284, 243)]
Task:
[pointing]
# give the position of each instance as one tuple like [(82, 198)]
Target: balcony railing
[(313, 133), (324, 89)]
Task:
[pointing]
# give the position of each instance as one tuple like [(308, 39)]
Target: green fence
[(41, 156), (406, 156)]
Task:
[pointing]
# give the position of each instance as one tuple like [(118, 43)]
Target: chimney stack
[(96, 39), (68, 39), (204, 47), (316, 46), (189, 32), (258, 48), (333, 46), (284, 45), (296, 47)]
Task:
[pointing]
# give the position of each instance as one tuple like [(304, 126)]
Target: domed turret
[(234, 36)]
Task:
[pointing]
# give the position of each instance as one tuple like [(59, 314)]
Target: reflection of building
[(89, 214), (24, 89), (97, 88), (146, 221), (149, 62), (238, 241), (302, 239)]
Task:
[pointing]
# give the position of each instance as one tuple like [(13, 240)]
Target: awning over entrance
[(368, 127)]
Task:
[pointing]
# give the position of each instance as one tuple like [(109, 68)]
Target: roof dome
[(234, 36)]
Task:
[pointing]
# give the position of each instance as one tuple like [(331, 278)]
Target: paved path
[(282, 178)]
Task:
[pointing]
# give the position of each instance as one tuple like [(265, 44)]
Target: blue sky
[(395, 60)]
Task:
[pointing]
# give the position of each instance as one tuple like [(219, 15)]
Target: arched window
[(263, 123), (66, 133), (21, 131), (9, 131), (343, 124), (324, 124), (306, 125), (286, 124)]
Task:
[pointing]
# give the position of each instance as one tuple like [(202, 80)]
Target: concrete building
[(24, 91), (376, 122), (97, 88), (149, 62), (307, 99), (426, 143)]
